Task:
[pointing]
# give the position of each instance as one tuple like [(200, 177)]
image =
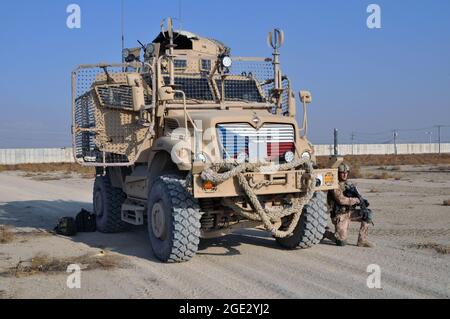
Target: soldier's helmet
[(343, 168)]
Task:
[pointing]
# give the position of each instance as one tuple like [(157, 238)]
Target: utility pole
[(336, 142), (353, 142), (395, 134), (439, 138), (429, 139)]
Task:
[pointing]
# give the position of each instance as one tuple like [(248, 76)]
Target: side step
[(133, 214)]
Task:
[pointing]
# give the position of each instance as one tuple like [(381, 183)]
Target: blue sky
[(362, 80)]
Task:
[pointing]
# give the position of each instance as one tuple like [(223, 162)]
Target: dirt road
[(412, 236)]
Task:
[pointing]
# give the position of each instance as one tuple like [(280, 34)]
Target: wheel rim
[(98, 204), (158, 221)]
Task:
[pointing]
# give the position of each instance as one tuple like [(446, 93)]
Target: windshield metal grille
[(240, 89), (84, 118), (195, 88)]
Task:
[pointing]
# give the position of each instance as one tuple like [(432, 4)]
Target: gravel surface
[(411, 233)]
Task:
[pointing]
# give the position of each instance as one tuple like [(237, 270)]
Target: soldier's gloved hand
[(366, 202)]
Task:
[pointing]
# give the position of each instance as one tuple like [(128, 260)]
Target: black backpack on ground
[(86, 222), (66, 227)]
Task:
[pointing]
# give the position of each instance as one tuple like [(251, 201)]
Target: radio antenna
[(122, 29)]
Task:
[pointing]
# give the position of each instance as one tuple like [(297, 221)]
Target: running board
[(133, 214)]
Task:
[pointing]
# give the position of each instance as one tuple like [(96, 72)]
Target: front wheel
[(173, 217), (311, 226), (108, 202)]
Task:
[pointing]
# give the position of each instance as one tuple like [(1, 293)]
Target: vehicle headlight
[(306, 155), (289, 156), (319, 180), (241, 158), (201, 157), (227, 62)]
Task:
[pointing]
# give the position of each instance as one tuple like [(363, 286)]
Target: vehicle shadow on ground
[(231, 241), (38, 213), (135, 242)]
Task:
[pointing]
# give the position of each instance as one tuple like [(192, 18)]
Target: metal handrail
[(187, 117)]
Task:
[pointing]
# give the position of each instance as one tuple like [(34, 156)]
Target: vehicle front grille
[(270, 142)]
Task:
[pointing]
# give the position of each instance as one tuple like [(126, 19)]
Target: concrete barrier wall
[(35, 155), (64, 155), (382, 149)]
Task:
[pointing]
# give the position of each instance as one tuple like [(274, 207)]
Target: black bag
[(86, 222), (66, 227)]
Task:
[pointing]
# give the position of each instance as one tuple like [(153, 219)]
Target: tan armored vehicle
[(194, 143)]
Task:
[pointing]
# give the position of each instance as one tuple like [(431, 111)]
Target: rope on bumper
[(219, 173)]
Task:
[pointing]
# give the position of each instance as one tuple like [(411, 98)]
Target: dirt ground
[(411, 233)]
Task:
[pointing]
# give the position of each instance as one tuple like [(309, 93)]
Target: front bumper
[(281, 183)]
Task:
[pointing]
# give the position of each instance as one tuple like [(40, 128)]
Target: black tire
[(311, 226), (176, 238), (108, 202)]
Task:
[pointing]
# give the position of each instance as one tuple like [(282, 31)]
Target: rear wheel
[(173, 218), (311, 226), (108, 202)]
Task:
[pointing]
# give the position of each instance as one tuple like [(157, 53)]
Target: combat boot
[(341, 243), (365, 243), (328, 234)]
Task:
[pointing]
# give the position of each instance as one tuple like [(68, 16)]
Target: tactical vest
[(337, 209)]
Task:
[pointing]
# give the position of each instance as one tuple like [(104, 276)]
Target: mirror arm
[(305, 120), (305, 98)]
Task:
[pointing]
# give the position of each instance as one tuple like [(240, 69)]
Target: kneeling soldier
[(343, 211)]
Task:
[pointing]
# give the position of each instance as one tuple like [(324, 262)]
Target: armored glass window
[(240, 89), (194, 88), (180, 64), (205, 65)]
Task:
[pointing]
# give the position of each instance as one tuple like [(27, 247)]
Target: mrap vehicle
[(195, 142)]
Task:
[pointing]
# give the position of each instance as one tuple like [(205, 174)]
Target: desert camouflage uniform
[(346, 214)]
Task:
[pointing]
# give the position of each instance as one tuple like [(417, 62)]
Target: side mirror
[(292, 105), (166, 93), (305, 97), (137, 90)]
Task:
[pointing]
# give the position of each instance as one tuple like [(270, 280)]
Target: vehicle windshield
[(244, 81), (195, 88), (241, 90), (200, 88)]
